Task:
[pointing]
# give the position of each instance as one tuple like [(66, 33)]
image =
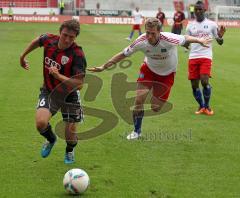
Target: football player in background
[(137, 17), (160, 16), (178, 20), (200, 58)]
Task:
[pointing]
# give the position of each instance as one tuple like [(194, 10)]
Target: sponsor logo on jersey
[(159, 56), (51, 63), (205, 26)]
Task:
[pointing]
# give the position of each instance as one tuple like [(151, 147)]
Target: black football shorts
[(70, 108)]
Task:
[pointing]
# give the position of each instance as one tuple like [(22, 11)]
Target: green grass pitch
[(183, 155)]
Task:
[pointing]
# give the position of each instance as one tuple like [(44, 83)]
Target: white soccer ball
[(76, 181)]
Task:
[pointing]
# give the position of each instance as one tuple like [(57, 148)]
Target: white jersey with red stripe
[(137, 17), (161, 58), (206, 28)]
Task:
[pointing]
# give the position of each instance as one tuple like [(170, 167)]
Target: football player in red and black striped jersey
[(178, 20), (64, 67), (160, 16)]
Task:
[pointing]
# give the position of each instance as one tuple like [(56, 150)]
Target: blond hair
[(153, 22)]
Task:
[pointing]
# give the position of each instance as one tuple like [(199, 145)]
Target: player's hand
[(24, 63), (186, 45), (54, 72), (205, 41), (96, 69), (221, 31)]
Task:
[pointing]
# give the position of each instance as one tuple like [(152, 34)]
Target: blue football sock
[(207, 95), (137, 120), (131, 34), (198, 97)]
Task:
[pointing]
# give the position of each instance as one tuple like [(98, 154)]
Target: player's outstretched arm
[(220, 32), (202, 41), (115, 59), (33, 45)]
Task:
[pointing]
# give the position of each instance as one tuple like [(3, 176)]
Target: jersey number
[(42, 102)]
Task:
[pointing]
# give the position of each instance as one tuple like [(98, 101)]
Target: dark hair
[(199, 3), (153, 22), (72, 24)]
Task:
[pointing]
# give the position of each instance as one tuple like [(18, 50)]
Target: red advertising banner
[(92, 20), (106, 20)]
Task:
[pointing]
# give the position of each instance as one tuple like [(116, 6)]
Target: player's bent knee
[(156, 108), (157, 104), (195, 84), (41, 125), (139, 101), (205, 83), (195, 87)]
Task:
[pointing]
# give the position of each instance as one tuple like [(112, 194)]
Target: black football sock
[(48, 134), (70, 146)]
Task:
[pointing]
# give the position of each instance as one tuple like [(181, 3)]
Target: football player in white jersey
[(158, 69), (137, 17), (200, 58)]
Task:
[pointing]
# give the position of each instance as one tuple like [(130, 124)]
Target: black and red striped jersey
[(177, 18), (70, 62)]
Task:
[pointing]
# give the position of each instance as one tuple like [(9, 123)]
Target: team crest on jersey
[(141, 75), (64, 60), (163, 50)]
